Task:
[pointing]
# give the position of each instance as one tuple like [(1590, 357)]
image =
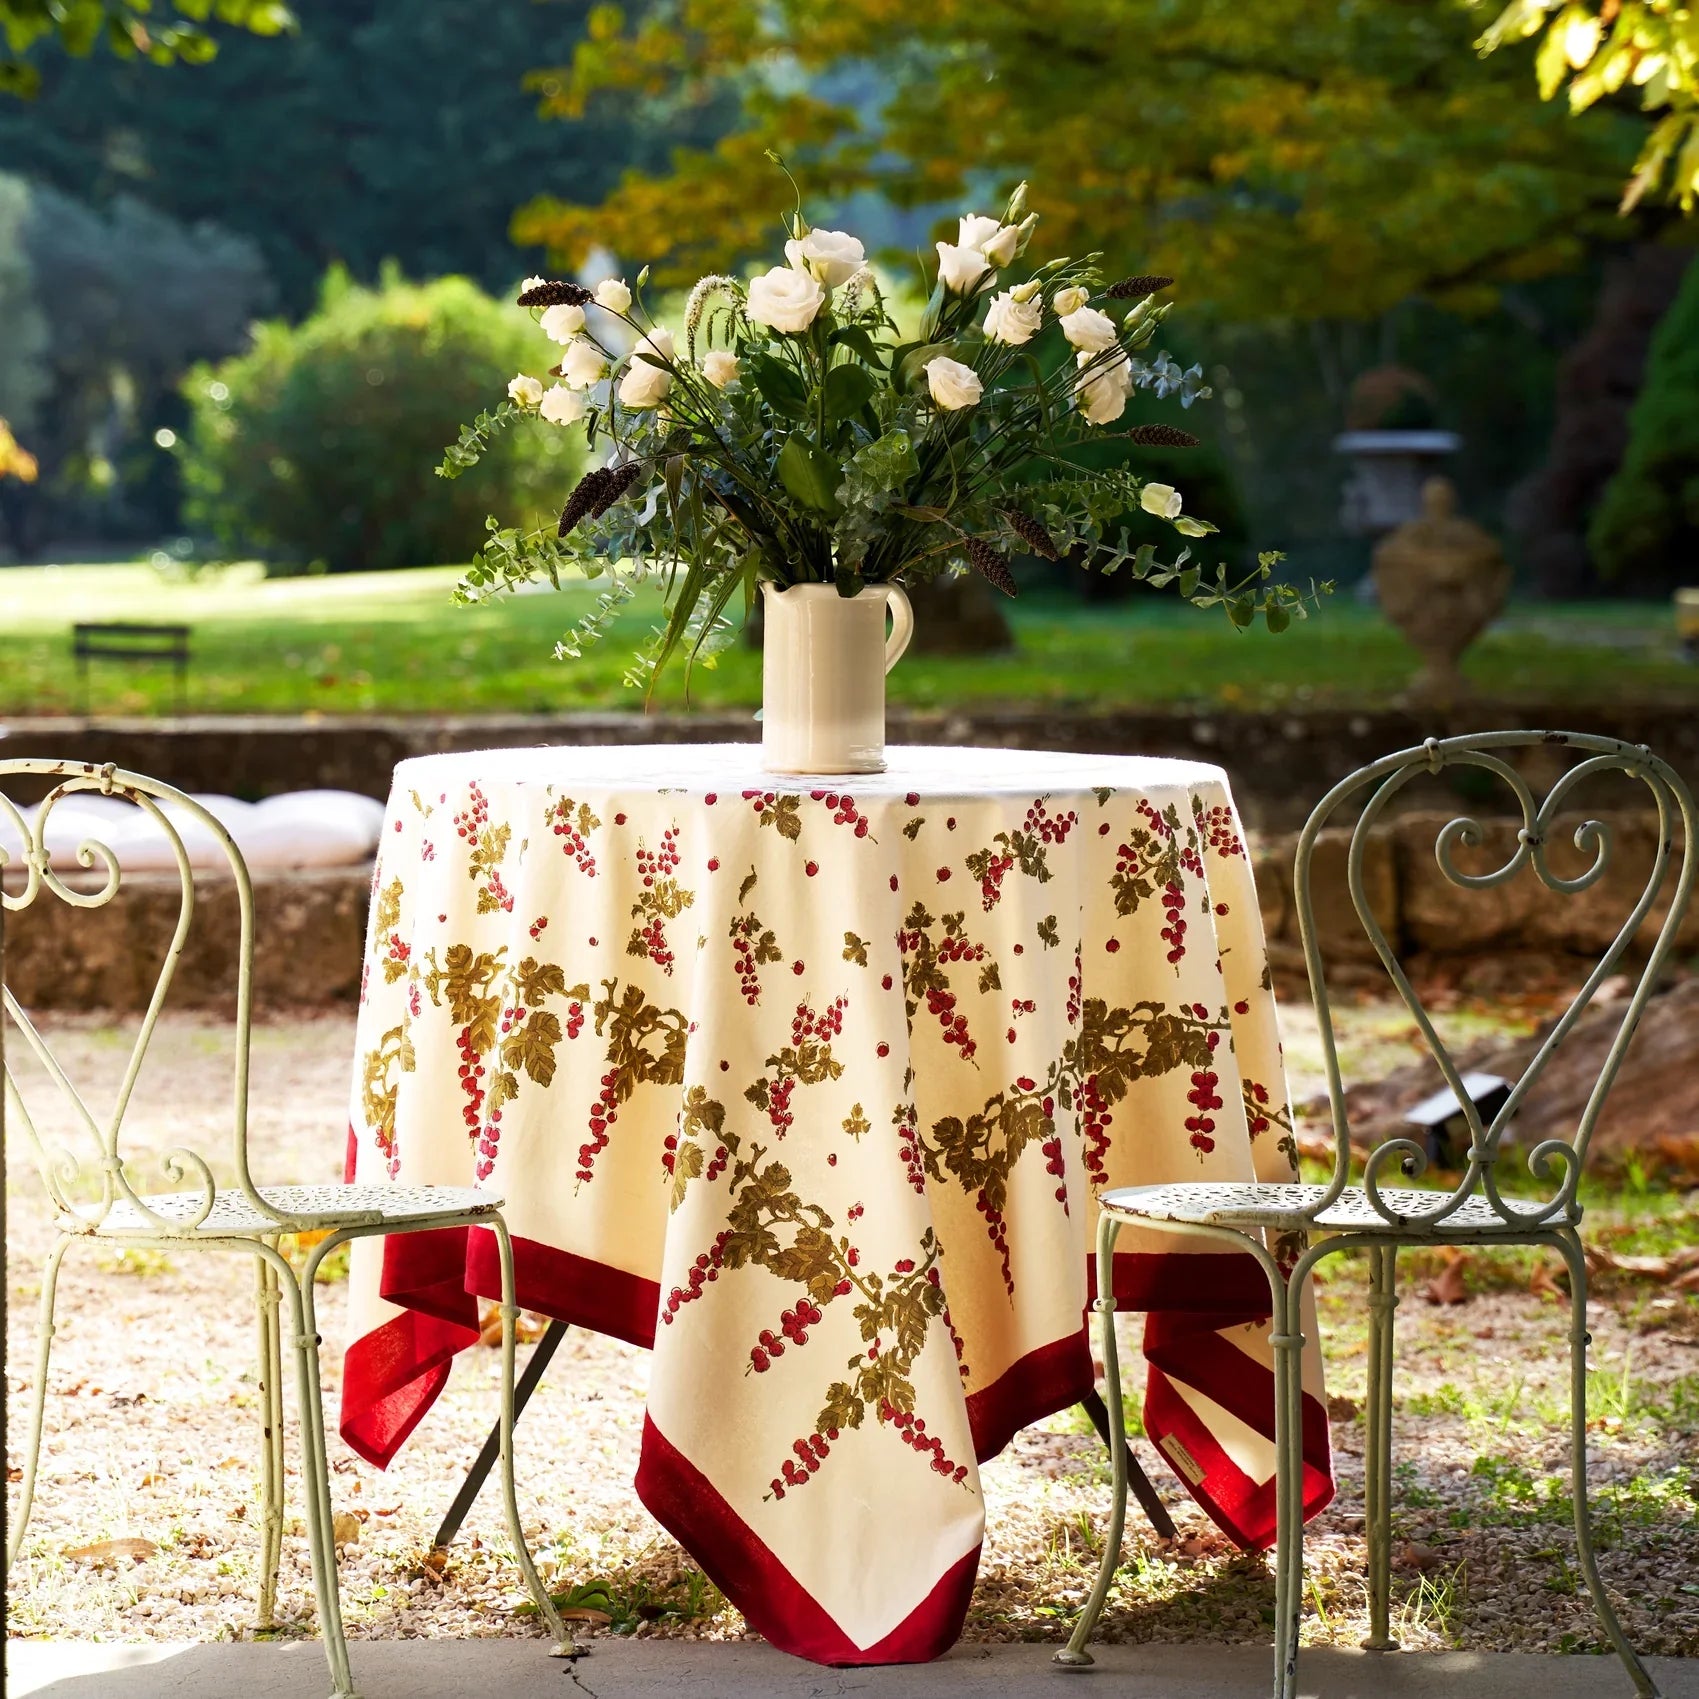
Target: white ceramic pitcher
[(823, 676)]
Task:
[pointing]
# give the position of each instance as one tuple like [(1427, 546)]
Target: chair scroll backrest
[(1382, 781), (70, 1180)]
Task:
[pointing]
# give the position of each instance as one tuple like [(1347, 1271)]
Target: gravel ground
[(153, 1434)]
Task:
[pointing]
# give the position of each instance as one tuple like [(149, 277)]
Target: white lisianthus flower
[(1012, 321), (583, 364), (1089, 329), (1161, 499), (532, 283), (644, 384), (829, 256), (961, 268), (612, 293), (952, 384), (1102, 392), (562, 322), (720, 368), (786, 299), (1069, 300), (562, 406), (976, 231), (524, 391), (1024, 292)]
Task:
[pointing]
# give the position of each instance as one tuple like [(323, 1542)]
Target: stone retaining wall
[(312, 925), (1280, 763)]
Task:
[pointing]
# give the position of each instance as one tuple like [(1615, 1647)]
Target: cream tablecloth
[(810, 1086)]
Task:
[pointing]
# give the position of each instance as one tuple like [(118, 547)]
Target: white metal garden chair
[(103, 1197), (1382, 1219)]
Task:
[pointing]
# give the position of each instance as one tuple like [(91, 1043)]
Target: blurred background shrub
[(315, 446)]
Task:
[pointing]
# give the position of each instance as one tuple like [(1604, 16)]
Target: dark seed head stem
[(990, 565), (1031, 533), (1162, 436), (555, 295), (1136, 288)]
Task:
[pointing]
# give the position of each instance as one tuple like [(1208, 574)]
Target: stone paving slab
[(664, 1669)]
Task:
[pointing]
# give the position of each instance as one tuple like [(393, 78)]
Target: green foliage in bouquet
[(1645, 530), (306, 448), (789, 432)]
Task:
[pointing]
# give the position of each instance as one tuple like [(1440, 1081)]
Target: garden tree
[(130, 28), (1645, 530), (380, 129), (1285, 160), (128, 299), (1644, 53)]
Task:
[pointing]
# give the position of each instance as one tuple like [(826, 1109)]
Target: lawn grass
[(395, 643)]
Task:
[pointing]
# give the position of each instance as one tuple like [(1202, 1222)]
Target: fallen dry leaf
[(1342, 1409), (1413, 1555), (1545, 1283), (345, 1529), (1448, 1287), (105, 1553), (583, 1613)]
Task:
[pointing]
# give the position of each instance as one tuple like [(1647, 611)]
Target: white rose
[(786, 299), (526, 392), (1087, 328), (583, 364), (562, 406), (1102, 393), (562, 322), (829, 256), (961, 268), (644, 384), (1066, 301), (975, 231), (612, 293), (952, 384), (720, 368), (1013, 321), (1161, 499)]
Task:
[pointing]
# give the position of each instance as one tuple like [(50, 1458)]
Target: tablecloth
[(810, 1085)]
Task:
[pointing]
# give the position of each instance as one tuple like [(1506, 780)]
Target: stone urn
[(1441, 580)]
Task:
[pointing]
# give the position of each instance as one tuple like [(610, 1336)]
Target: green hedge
[(1644, 533), (317, 447)]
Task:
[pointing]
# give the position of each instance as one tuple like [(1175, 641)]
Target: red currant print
[(573, 823), (1094, 1129), (753, 946), (794, 1325), (603, 1113), (703, 1273), (912, 1430), (1204, 1098), (1217, 828), (908, 1150)]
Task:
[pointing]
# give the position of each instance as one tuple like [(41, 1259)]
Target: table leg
[(1153, 1507), (553, 1334)]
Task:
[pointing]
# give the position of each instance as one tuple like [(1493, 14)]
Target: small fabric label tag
[(1181, 1458)]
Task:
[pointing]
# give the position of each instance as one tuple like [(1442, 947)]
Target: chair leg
[(1377, 1444), (1286, 1296), (1569, 1243), (315, 1474), (1074, 1655), (38, 1401), (549, 1616), (271, 1456)]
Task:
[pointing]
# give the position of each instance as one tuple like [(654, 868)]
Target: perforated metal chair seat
[(234, 1216), (1284, 1207)]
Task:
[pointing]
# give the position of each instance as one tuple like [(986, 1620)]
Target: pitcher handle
[(902, 625)]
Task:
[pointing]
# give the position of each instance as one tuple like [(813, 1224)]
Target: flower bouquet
[(787, 439)]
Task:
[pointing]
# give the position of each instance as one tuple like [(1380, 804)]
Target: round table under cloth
[(809, 1084)]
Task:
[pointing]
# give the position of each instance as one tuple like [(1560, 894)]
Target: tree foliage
[(309, 447), (1645, 52), (387, 129), (1644, 533), (130, 28), (1284, 159)]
